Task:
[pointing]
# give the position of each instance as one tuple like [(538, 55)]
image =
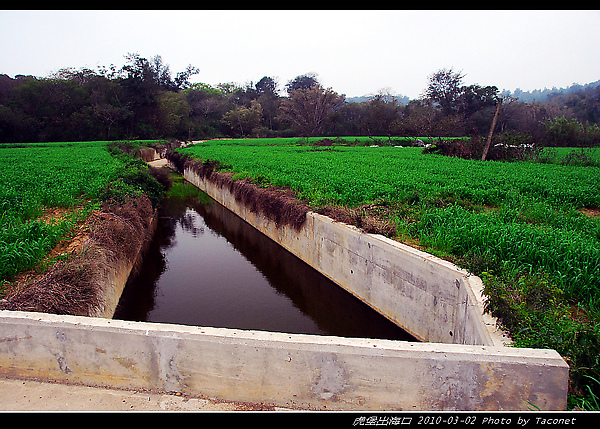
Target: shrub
[(505, 147)]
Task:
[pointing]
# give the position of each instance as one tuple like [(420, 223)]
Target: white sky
[(354, 52)]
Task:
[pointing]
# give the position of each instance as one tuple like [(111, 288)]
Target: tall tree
[(268, 98), (172, 115), (381, 114), (474, 98), (267, 85), (444, 89), (308, 109), (304, 81), (477, 104), (244, 120), (207, 107)]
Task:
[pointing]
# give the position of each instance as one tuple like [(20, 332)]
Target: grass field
[(38, 178), (519, 225)]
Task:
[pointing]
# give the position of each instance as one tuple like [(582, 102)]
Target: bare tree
[(308, 109)]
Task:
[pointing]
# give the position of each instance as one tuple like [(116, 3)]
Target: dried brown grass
[(371, 218), (278, 204), (114, 234)]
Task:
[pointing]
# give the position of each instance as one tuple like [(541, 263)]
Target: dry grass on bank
[(73, 285)]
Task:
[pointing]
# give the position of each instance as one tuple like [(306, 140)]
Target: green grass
[(571, 156), (361, 175), (39, 176), (515, 224), (535, 224), (183, 190)]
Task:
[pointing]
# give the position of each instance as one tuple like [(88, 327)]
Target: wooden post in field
[(489, 139)]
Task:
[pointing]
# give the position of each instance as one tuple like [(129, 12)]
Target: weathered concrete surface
[(158, 163), (277, 369), (431, 298), (117, 271)]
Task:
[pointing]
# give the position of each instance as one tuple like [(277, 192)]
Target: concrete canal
[(264, 328), (207, 267)]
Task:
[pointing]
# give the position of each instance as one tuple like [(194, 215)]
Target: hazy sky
[(354, 52)]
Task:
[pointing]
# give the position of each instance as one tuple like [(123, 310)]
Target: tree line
[(143, 100), (548, 94)]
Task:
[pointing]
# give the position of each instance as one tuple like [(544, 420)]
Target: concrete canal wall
[(309, 372), (431, 298)]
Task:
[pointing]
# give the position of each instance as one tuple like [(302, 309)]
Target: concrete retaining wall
[(114, 281), (431, 298), (289, 370)]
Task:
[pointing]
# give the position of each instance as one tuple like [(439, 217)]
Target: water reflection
[(207, 267)]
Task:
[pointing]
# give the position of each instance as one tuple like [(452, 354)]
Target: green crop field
[(40, 176), (361, 175), (518, 225)]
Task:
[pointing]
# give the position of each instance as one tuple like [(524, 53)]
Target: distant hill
[(543, 95), (539, 95), (402, 99)]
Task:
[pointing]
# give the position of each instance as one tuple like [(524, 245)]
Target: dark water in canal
[(207, 267)]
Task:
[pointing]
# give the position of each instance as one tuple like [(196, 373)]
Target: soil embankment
[(89, 281)]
